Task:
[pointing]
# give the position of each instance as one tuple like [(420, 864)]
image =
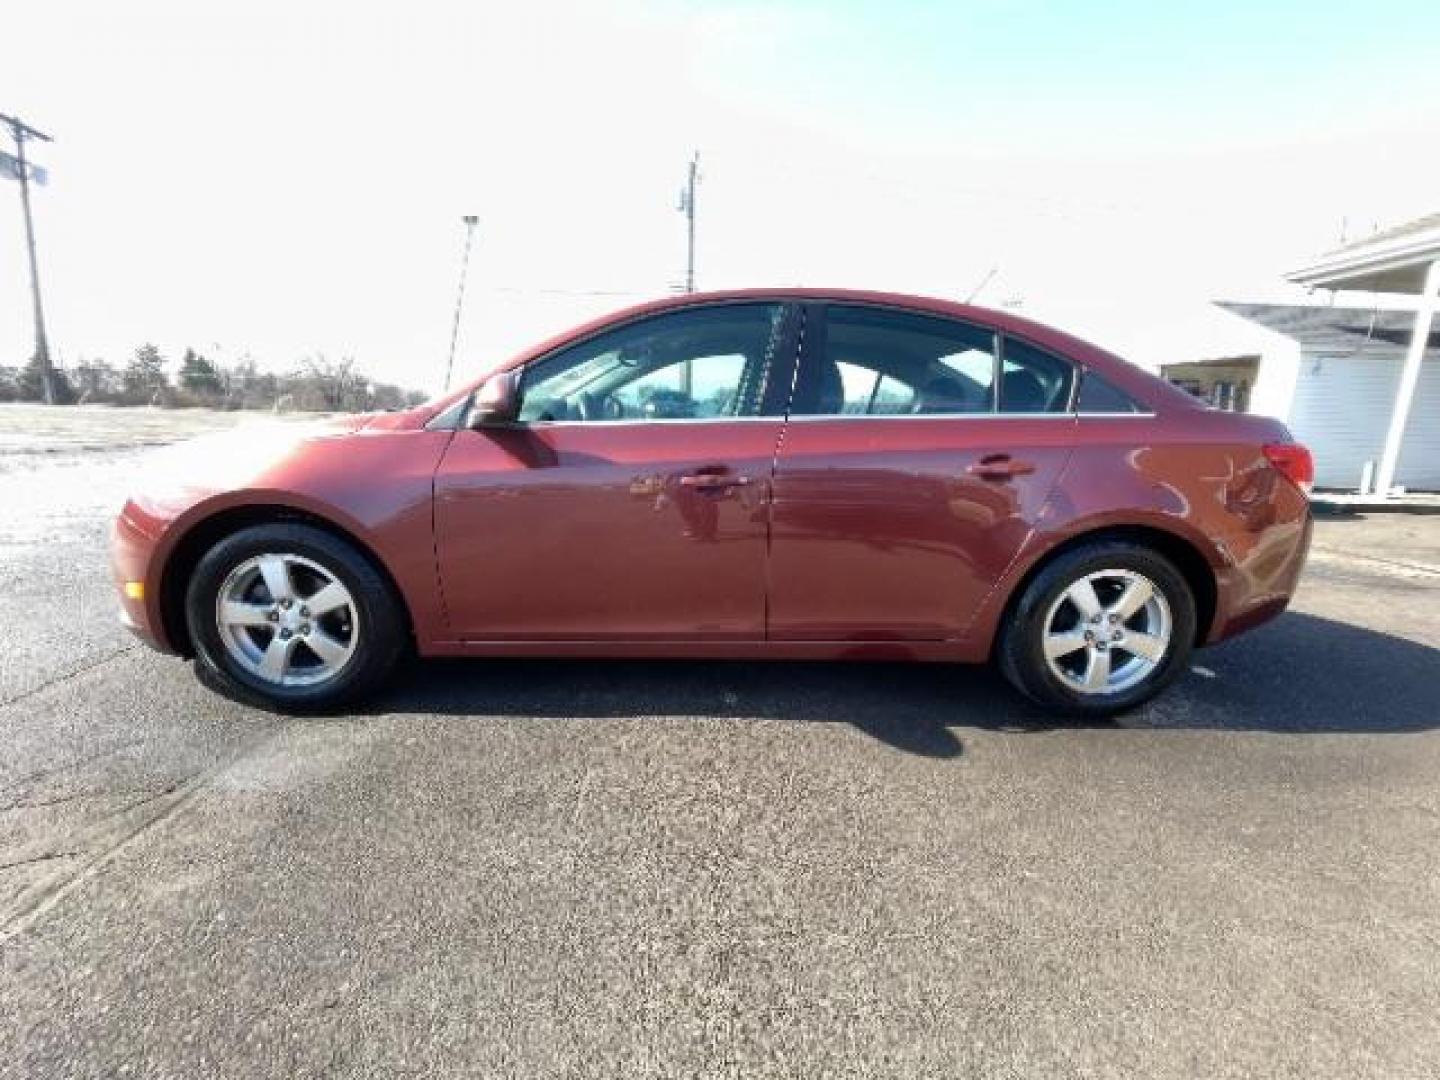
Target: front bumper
[(132, 551)]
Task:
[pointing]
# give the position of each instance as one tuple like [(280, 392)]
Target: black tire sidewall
[(1022, 652), (381, 629)]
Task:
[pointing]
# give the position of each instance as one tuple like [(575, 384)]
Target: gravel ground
[(718, 869)]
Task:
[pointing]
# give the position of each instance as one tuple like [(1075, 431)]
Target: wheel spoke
[(277, 577), (1146, 646), (331, 596), (276, 660), (1136, 595), (1063, 644), (239, 613), (1082, 595), (1097, 670), (324, 646)]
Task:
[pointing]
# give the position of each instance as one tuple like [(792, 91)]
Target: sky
[(275, 180)]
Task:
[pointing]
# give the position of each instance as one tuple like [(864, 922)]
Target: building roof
[(1246, 360), (1342, 330), (1393, 260)]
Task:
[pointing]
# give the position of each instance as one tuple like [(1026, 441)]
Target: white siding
[(1420, 453), (1341, 410)]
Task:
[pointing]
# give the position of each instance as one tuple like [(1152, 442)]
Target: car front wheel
[(291, 617), (1102, 628)]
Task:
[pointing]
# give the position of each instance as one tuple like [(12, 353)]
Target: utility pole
[(22, 132), (470, 222), (687, 207)]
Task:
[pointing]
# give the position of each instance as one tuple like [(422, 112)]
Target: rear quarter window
[(1098, 395)]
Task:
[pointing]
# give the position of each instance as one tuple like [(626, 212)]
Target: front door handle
[(708, 481), (1000, 467)]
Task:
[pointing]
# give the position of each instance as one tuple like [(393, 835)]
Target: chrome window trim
[(941, 416), (965, 415), (777, 418), (774, 418)]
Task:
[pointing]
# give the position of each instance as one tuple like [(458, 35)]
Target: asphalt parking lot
[(718, 869)]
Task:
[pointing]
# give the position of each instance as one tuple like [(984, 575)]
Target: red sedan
[(767, 473)]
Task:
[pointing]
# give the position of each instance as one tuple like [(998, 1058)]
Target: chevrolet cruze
[(788, 473)]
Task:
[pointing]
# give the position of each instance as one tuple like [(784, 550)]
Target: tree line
[(316, 384)]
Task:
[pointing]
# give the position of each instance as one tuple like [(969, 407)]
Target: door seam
[(795, 355)]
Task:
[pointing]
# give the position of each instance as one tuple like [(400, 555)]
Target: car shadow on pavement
[(1301, 674)]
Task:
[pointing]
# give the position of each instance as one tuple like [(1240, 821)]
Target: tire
[(1055, 613), (327, 657)]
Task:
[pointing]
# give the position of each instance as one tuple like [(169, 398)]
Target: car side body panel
[(855, 524)]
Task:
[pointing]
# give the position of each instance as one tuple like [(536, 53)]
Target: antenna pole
[(470, 222)]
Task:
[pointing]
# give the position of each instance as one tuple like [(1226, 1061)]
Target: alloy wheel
[(287, 620), (1107, 632)]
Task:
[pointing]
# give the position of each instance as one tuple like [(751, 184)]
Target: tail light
[(1294, 462)]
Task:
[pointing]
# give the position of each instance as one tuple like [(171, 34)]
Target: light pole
[(470, 222), (22, 132)]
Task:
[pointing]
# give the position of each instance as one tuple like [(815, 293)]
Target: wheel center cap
[(290, 618)]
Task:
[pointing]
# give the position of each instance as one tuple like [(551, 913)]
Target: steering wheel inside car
[(599, 407)]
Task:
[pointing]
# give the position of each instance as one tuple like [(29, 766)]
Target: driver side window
[(696, 364)]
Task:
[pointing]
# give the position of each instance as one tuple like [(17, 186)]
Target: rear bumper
[(1260, 585)]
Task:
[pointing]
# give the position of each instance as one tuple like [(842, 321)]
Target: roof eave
[(1361, 267)]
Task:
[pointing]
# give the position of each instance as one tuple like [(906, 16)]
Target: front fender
[(375, 488)]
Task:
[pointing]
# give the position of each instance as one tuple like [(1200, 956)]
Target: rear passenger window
[(1033, 380), (881, 362), (1099, 396)]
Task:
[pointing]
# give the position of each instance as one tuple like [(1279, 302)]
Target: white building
[(1360, 386), (1332, 375)]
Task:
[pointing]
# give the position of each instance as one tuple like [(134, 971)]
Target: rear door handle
[(708, 481), (1000, 467)]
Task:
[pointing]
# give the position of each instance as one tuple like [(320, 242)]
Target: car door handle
[(1000, 467), (713, 481)]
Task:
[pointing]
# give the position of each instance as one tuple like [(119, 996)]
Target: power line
[(22, 132)]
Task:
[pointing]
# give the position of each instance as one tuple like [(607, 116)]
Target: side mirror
[(497, 401)]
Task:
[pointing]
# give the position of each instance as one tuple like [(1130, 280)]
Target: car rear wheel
[(1102, 628), (291, 617)]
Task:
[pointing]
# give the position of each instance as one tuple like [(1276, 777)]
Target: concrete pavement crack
[(40, 804), (77, 763), (33, 903), (59, 679), (46, 857)]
